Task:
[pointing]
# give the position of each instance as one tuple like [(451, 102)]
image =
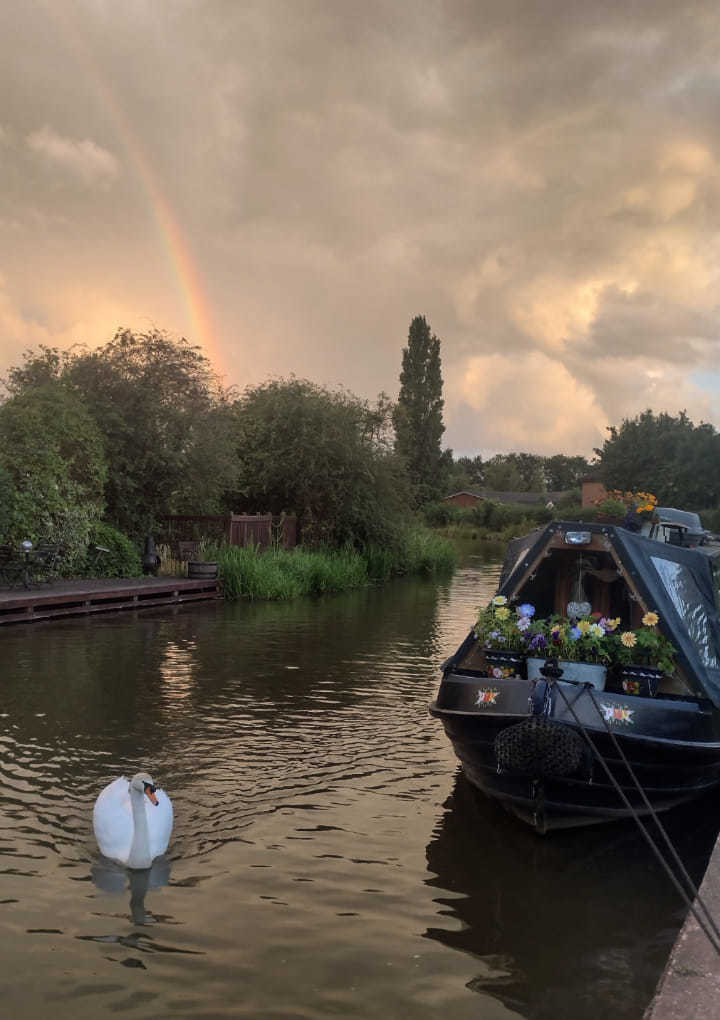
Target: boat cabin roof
[(623, 574)]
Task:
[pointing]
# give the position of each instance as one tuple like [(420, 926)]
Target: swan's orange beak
[(150, 794)]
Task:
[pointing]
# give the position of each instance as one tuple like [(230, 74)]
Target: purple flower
[(526, 610), (523, 623), (538, 643)]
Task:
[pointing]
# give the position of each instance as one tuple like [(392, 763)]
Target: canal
[(327, 859)]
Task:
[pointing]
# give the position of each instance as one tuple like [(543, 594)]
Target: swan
[(133, 821)]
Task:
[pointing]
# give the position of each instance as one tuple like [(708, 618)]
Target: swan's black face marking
[(150, 793)]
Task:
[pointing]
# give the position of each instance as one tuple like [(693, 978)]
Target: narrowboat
[(558, 751)]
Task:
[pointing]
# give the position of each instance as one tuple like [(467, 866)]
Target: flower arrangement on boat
[(645, 646), (500, 628), (509, 635), (584, 640)]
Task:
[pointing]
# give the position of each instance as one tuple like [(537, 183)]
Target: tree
[(515, 472), (320, 455), (418, 413), (666, 455), (563, 472), (52, 468), (465, 473), (163, 417)]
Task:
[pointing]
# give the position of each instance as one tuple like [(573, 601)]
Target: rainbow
[(189, 282)]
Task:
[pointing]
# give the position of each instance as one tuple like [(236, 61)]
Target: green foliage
[(52, 469), (665, 455), (122, 559), (576, 641), (563, 472), (419, 551), (162, 417), (611, 507), (285, 574), (572, 498), (438, 515), (418, 414), (499, 627), (645, 645), (320, 455), (465, 475), (427, 553), (515, 472)]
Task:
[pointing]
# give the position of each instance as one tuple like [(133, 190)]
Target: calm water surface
[(328, 859)]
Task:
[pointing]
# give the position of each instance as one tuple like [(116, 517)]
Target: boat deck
[(45, 601)]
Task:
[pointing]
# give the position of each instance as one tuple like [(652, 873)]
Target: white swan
[(133, 821)]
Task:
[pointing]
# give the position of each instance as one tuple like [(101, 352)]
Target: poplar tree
[(418, 413)]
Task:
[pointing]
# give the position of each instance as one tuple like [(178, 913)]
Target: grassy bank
[(287, 574), (499, 522)]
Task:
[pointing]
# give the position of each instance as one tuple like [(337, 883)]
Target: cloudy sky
[(288, 182)]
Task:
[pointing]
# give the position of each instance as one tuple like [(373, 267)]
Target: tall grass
[(285, 574)]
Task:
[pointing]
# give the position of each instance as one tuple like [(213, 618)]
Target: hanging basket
[(643, 681)]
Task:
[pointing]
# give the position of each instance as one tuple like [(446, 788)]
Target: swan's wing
[(160, 822), (112, 820)]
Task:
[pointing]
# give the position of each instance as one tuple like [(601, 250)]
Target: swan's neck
[(140, 847)]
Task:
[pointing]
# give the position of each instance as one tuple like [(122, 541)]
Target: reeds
[(252, 573)]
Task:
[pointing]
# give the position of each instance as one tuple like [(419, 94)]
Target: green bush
[(612, 507), (570, 499), (122, 560), (428, 553), (438, 515)]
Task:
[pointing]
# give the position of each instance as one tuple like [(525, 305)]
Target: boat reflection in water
[(579, 925)]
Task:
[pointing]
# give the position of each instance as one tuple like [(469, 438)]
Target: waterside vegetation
[(249, 572), (98, 446)]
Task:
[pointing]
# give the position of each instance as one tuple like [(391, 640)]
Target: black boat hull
[(671, 745)]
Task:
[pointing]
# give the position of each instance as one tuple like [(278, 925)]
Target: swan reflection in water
[(584, 917), (111, 877)]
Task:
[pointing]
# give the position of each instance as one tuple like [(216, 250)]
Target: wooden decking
[(75, 598)]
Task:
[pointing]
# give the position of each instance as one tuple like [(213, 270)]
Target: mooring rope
[(711, 932), (653, 813)]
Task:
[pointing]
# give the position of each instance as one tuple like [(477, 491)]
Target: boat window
[(525, 549), (680, 585)]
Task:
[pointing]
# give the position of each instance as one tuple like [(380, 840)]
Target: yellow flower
[(650, 619), (628, 639), (583, 626), (502, 613), (499, 600), (555, 629)]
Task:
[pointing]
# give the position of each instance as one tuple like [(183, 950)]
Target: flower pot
[(503, 664), (202, 570), (584, 673), (641, 680), (534, 666)]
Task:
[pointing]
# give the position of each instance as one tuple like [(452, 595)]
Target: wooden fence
[(263, 530)]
